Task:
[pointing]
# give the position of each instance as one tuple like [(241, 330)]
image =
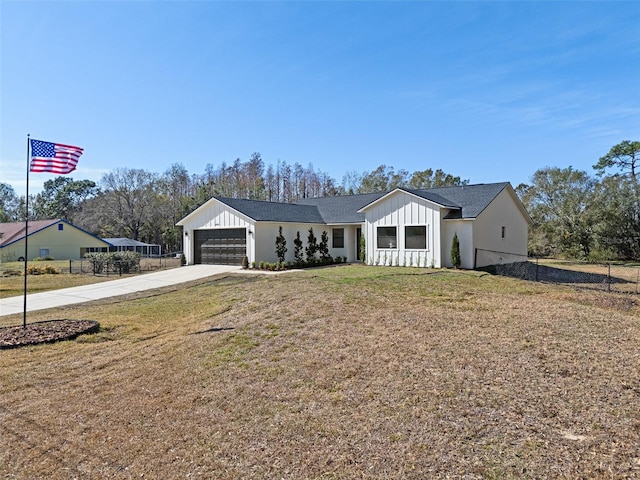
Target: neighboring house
[(58, 239), (128, 245), (401, 227)]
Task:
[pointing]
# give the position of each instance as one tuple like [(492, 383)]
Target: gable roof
[(465, 201), (15, 231)]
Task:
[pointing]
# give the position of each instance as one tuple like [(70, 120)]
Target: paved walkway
[(123, 286)]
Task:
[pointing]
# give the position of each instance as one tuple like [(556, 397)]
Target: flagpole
[(26, 236)]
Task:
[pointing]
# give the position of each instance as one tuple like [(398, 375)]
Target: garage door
[(220, 247)]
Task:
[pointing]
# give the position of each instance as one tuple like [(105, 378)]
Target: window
[(338, 238), (504, 232), (61, 226), (415, 237), (44, 252), (387, 237)]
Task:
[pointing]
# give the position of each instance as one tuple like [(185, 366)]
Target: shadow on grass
[(213, 330)]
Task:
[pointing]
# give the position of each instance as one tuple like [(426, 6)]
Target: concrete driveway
[(123, 286)]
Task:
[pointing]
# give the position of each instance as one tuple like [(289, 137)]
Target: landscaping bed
[(45, 332)]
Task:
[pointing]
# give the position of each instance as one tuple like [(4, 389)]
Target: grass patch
[(349, 372)]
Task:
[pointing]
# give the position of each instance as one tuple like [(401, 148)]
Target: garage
[(225, 246)]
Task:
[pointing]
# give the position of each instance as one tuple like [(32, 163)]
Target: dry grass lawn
[(347, 372)]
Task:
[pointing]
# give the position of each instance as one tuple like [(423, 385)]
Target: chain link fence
[(608, 277)]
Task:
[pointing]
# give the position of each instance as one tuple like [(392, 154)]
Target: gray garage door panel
[(226, 246)]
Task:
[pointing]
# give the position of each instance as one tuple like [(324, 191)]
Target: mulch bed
[(45, 332)]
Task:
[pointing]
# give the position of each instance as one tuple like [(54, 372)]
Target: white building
[(403, 227)]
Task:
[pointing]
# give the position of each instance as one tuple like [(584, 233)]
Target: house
[(58, 239), (400, 227)]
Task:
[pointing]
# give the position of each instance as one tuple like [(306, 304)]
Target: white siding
[(215, 214), (398, 210), (487, 232), (266, 233), (464, 230)]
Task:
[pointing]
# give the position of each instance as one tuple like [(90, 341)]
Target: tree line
[(582, 216), (575, 214), (145, 206)]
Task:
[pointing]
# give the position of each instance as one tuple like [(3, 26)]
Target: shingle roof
[(466, 201), (274, 211), (471, 199), (343, 209), (14, 231)]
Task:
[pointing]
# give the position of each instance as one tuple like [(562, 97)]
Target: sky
[(488, 91)]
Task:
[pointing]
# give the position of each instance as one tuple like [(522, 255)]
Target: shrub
[(281, 245), (245, 262), (363, 249), (183, 259), (455, 251), (312, 247), (297, 250), (323, 247), (253, 264), (42, 270), (46, 258)]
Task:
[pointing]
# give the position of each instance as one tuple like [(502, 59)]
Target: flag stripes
[(53, 157)]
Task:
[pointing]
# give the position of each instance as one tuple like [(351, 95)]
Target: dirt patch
[(45, 332)]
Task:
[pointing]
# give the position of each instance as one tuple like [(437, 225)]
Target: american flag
[(53, 157)]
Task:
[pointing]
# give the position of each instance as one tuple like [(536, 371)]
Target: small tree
[(312, 246), (281, 246), (455, 251), (363, 248), (297, 250), (323, 247)]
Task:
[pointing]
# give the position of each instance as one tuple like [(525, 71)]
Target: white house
[(403, 227)]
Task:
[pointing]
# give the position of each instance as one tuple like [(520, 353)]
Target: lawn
[(12, 279), (344, 372)]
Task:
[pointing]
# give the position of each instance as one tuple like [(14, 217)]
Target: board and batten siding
[(401, 209), (215, 215)]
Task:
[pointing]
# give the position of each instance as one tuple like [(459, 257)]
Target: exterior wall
[(464, 229), (70, 243), (350, 242), (266, 233), (398, 210), (487, 233), (216, 215)]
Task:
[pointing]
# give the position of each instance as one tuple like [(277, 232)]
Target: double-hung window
[(387, 237)]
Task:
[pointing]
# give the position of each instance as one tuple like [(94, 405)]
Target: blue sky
[(486, 91)]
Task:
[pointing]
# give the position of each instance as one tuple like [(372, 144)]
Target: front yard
[(344, 372)]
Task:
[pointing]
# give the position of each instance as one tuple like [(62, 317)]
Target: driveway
[(123, 286)]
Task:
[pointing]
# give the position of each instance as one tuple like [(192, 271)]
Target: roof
[(15, 231), (262, 211), (127, 242), (342, 209), (465, 201)]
